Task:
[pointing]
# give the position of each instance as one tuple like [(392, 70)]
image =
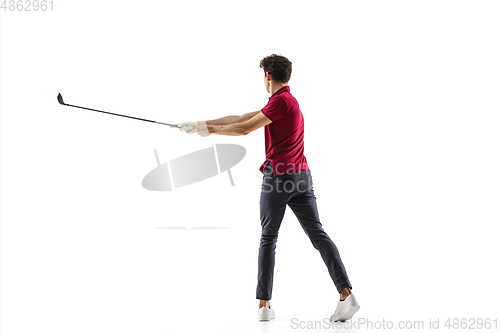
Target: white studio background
[(401, 107)]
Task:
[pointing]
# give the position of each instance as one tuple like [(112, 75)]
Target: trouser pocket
[(305, 183)]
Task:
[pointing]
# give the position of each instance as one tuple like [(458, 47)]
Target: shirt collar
[(281, 90)]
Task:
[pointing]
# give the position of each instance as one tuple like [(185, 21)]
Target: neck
[(275, 86)]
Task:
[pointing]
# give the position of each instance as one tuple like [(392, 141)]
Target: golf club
[(61, 101)]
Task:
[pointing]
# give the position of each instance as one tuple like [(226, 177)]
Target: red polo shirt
[(285, 135)]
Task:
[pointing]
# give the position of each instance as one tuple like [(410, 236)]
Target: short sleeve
[(275, 108)]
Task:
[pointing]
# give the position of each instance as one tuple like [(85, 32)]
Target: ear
[(268, 76)]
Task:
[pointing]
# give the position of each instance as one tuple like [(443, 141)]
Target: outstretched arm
[(247, 116), (232, 119), (241, 128)]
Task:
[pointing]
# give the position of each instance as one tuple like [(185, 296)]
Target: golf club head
[(60, 99)]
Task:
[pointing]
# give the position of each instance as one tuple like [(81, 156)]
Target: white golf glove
[(186, 126), (199, 127)]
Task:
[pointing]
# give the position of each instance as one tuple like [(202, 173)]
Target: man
[(287, 181)]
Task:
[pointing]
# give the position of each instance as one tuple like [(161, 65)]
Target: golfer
[(286, 181)]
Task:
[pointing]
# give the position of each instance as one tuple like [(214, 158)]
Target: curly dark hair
[(278, 66)]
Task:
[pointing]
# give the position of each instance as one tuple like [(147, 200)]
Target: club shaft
[(121, 115)]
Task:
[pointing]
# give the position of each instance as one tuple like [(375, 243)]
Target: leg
[(272, 209), (304, 207), (271, 217), (263, 303)]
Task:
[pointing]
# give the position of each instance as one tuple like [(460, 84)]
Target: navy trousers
[(296, 191)]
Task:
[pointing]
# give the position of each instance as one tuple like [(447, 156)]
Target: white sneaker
[(345, 309), (267, 313)]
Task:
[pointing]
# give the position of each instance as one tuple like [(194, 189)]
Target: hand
[(201, 129), (186, 126)]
